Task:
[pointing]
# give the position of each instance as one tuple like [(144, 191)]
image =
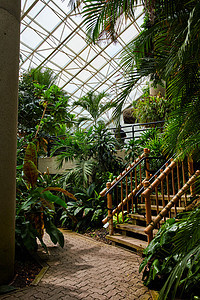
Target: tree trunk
[(9, 69)]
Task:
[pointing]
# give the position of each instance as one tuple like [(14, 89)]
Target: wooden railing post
[(148, 210), (109, 206), (191, 173), (147, 171)]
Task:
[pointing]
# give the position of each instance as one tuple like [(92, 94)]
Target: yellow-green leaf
[(31, 153), (30, 172), (57, 189)]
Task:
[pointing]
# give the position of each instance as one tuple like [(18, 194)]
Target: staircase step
[(154, 207), (134, 244), (153, 197), (137, 217), (142, 218), (133, 228)]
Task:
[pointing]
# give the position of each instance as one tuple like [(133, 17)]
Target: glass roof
[(53, 36)]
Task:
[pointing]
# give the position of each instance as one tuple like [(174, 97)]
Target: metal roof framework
[(53, 36)]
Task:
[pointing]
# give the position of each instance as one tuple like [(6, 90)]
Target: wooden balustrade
[(171, 203), (121, 205), (167, 187), (102, 193), (124, 188), (109, 204)]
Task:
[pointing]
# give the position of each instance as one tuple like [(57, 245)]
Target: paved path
[(87, 269)]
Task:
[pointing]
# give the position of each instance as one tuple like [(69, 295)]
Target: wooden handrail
[(118, 208), (173, 202), (118, 182), (157, 181), (102, 193)]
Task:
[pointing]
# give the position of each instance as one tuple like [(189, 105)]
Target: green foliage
[(29, 166), (151, 139), (76, 146), (173, 258), (120, 219), (151, 108), (81, 173), (100, 17), (92, 104), (34, 212), (105, 146), (93, 151), (87, 212), (56, 114), (42, 104), (31, 154), (35, 205), (166, 49), (94, 155)]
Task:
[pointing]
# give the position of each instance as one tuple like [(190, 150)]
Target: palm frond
[(101, 17), (80, 173), (175, 276)]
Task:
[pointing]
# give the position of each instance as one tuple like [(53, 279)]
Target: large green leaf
[(87, 210), (144, 262), (31, 154), (54, 233), (30, 172), (58, 189), (156, 268), (78, 210), (54, 199)]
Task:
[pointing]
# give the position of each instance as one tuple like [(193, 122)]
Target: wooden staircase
[(145, 201), (132, 234)]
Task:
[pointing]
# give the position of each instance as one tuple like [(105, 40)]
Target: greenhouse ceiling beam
[(50, 33), (48, 36), (69, 74), (111, 74), (29, 9), (57, 48), (35, 16), (47, 58), (76, 55), (88, 63), (36, 50), (106, 63), (102, 49), (84, 67)]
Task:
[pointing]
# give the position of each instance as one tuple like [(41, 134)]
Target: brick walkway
[(86, 269)]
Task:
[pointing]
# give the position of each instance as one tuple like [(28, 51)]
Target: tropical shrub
[(150, 138), (93, 151), (35, 205), (94, 106), (151, 108), (42, 104), (85, 213), (172, 259)]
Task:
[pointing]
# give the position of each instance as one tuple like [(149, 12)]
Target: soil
[(98, 235), (25, 272)]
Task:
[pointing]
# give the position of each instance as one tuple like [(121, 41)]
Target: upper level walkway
[(87, 269)]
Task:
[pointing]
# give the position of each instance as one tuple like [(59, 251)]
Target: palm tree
[(166, 49), (42, 76), (92, 103)]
